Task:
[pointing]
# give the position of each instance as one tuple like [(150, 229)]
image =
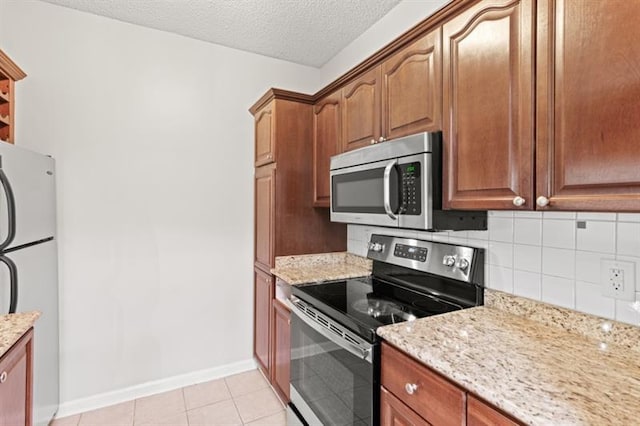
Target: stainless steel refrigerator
[(29, 262)]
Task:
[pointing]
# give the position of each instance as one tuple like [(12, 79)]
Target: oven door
[(334, 373)]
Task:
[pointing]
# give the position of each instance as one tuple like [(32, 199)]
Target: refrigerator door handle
[(13, 278), (11, 209)]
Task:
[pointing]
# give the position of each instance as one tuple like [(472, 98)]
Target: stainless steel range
[(335, 352)]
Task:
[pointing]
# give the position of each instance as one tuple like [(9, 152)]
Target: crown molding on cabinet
[(281, 94), (9, 68)]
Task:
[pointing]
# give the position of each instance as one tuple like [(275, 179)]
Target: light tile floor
[(242, 399)]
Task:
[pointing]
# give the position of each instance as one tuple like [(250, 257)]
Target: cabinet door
[(263, 296), (361, 111), (588, 88), (16, 382), (412, 88), (488, 106), (481, 414), (394, 413), (281, 348), (265, 190), (327, 141), (265, 135)]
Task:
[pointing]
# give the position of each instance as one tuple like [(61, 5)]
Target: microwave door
[(367, 194)]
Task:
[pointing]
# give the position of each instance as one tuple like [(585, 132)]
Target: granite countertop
[(13, 327), (540, 363), (308, 268)]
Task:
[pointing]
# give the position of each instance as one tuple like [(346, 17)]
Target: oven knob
[(377, 247), (449, 260), (462, 264)]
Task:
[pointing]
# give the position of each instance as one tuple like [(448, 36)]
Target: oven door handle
[(363, 353), (386, 188)]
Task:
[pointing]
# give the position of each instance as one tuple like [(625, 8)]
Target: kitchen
[(137, 121)]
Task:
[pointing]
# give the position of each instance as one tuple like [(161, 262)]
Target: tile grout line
[(233, 400)]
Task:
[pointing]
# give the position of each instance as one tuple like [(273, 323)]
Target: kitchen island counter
[(539, 363), (13, 327)]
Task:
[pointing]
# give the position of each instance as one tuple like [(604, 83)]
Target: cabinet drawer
[(434, 398)]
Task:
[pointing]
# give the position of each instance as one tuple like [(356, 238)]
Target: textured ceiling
[(308, 32)]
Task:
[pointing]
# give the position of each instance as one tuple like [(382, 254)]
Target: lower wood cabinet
[(395, 412), (272, 334), (281, 349), (16, 368), (413, 394), (429, 395), (481, 414), (263, 297)]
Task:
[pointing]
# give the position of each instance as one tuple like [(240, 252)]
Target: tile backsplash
[(549, 256)]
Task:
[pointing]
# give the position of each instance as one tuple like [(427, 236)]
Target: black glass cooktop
[(364, 304)]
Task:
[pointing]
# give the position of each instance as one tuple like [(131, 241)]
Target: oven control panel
[(410, 252), (447, 260)]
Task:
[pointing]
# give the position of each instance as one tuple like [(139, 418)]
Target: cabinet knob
[(3, 377), (269, 156), (542, 201), (381, 139), (373, 141), (518, 201), (411, 388)]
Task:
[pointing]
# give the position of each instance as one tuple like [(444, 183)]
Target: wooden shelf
[(4, 98), (4, 121)]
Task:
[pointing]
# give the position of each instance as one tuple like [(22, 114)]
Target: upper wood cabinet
[(488, 104), (361, 111), (264, 204), (327, 141), (588, 97), (412, 88), (400, 97), (264, 137), (9, 74)]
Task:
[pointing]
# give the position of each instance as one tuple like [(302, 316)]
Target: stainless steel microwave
[(398, 184)]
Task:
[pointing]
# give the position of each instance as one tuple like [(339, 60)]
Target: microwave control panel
[(411, 189)]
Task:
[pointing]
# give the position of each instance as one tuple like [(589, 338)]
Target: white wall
[(544, 256), (154, 149), (402, 17)]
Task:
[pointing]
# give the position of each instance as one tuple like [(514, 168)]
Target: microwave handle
[(387, 189)]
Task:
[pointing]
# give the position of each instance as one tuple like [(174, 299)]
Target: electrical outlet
[(618, 279)]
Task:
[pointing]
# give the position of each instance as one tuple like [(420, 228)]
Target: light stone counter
[(310, 268), (542, 364), (13, 327)]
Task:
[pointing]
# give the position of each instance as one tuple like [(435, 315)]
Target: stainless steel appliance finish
[(335, 352), (446, 260), (396, 184), (28, 263), (330, 329)]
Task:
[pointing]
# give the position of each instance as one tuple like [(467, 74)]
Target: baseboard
[(81, 405)]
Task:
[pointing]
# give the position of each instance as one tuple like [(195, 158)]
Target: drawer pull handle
[(411, 388), (3, 377)]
